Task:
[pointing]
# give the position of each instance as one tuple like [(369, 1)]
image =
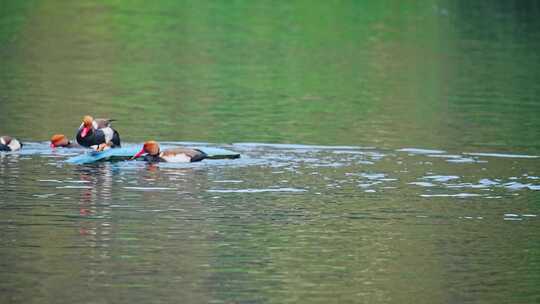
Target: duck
[(97, 134), (176, 155), (60, 140), (8, 143)]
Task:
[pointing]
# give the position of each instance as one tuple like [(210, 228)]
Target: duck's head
[(87, 125), (150, 147), (59, 140)]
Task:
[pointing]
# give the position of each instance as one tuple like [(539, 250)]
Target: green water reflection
[(385, 73)]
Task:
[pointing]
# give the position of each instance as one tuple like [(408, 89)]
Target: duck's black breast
[(4, 148), (94, 137), (87, 140)]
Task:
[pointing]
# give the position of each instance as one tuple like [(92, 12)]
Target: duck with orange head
[(97, 134), (153, 153), (61, 141)]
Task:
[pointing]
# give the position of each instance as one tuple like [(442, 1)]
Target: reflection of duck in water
[(176, 155), (60, 140), (97, 134), (8, 143)]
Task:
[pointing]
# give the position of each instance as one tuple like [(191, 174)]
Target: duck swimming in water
[(175, 155), (97, 134), (8, 143), (60, 140)]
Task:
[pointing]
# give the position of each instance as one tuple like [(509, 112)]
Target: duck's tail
[(223, 156)]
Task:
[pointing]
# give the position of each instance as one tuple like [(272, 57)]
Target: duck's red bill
[(138, 154), (84, 131)]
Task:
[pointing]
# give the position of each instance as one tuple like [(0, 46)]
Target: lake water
[(390, 152)]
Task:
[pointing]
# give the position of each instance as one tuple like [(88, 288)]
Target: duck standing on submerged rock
[(175, 155), (97, 134), (60, 140), (8, 143)]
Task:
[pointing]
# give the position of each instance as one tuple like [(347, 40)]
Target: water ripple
[(256, 190)]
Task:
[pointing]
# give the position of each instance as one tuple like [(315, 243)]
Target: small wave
[(422, 184), (228, 181), (373, 176), (467, 185), (503, 155), (487, 182), (518, 186), (420, 151), (299, 147), (459, 195), (441, 178), (452, 156), (256, 190), (463, 160), (74, 187), (46, 195), (149, 188)]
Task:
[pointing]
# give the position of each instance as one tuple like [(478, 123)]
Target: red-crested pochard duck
[(175, 155), (60, 140), (97, 134), (8, 143)]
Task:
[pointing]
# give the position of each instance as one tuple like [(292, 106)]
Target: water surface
[(285, 223)]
